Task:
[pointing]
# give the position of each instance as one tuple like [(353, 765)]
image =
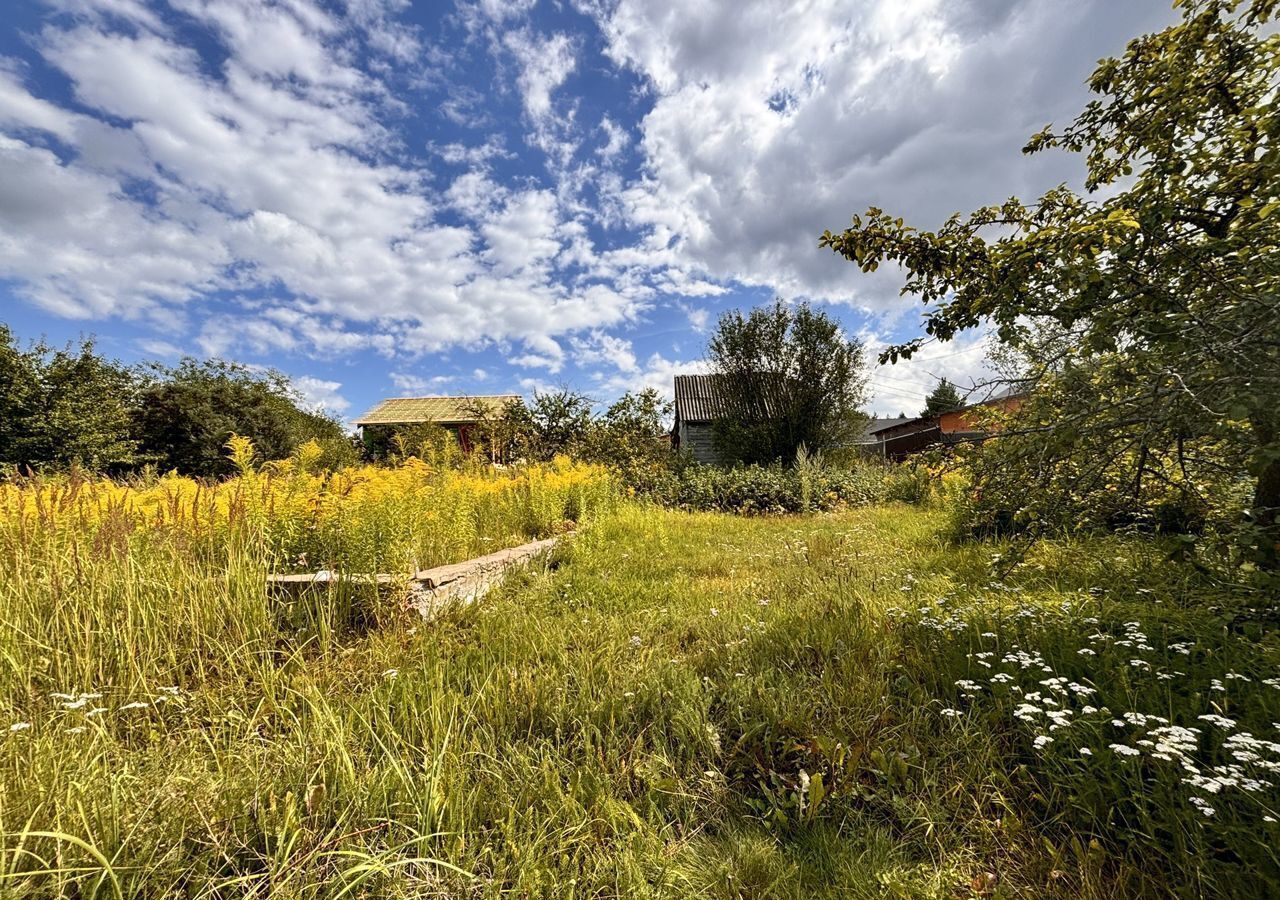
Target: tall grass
[(161, 582), (685, 705)]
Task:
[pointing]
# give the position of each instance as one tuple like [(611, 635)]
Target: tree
[(19, 398), (187, 414), (64, 407), (788, 377), (1164, 274), (944, 398), (629, 434), (556, 422)]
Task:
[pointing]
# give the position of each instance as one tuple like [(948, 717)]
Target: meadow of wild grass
[(160, 582), (682, 705)]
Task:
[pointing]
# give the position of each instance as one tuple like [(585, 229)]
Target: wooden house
[(697, 404), (899, 438), (458, 415)]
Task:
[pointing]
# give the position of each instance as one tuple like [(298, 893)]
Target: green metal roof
[(441, 410)]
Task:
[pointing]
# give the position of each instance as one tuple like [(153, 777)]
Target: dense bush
[(73, 407), (66, 406), (185, 415), (806, 486), (1010, 489)]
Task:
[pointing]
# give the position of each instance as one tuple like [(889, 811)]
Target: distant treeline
[(72, 406)]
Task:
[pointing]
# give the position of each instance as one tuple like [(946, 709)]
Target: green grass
[(680, 705)]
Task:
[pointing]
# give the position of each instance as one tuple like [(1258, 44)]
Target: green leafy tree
[(630, 434), (943, 398), (64, 407), (788, 377), (557, 421), (186, 415), (1165, 274), (19, 398)]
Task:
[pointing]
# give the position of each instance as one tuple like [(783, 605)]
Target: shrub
[(808, 486), (1013, 490), (185, 416)]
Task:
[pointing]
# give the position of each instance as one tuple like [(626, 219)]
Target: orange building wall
[(963, 420)]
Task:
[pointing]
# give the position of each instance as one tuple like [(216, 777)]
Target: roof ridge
[(433, 408), (445, 397)]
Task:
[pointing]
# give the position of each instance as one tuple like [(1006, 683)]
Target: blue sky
[(381, 198)]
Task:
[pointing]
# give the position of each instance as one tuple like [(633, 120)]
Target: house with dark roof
[(455, 414), (868, 439), (899, 438), (698, 403)]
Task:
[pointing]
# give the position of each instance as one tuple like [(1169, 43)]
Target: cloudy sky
[(383, 198)]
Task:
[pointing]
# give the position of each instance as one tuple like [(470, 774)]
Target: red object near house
[(900, 439), (963, 421)]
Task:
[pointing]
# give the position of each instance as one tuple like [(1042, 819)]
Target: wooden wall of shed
[(699, 440)]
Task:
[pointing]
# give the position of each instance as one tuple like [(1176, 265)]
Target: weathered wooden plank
[(464, 583), (326, 577), (474, 572), (441, 575)]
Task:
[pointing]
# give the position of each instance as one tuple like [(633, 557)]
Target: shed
[(698, 404), (455, 414)]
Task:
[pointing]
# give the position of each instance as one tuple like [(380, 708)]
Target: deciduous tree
[(187, 414), (64, 407), (1165, 273), (787, 377)]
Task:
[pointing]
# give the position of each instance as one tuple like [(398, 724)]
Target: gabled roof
[(698, 398), (701, 398), (873, 425), (877, 429), (440, 410)]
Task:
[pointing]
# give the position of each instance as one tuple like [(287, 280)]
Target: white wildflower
[(1220, 721)]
